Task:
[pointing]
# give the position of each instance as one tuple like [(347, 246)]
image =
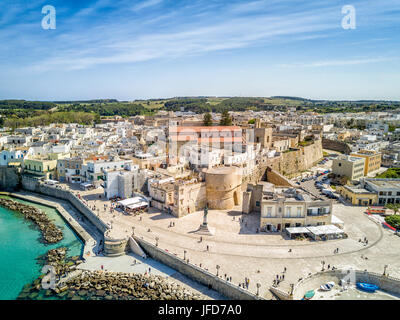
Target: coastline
[(93, 262), (89, 241)]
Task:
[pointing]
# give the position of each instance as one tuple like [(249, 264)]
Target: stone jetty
[(102, 285), (50, 232)]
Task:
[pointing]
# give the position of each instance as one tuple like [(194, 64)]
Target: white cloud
[(146, 4), (336, 63)]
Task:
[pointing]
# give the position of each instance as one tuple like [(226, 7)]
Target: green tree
[(226, 119), (393, 206), (394, 221), (207, 121)]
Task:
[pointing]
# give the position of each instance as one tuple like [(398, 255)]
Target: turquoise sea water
[(20, 247)]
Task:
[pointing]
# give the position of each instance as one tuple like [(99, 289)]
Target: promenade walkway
[(241, 252)]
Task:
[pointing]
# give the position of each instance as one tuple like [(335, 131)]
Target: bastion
[(223, 188)]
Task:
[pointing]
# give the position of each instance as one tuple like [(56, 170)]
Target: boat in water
[(327, 286), (368, 287), (309, 294)]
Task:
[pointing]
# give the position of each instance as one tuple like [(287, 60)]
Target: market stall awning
[(138, 205), (325, 230), (131, 201), (297, 230)]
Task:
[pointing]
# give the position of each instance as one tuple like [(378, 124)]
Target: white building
[(7, 156), (118, 183)]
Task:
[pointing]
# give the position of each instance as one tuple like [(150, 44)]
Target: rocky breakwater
[(76, 284), (99, 285), (63, 266), (50, 232)]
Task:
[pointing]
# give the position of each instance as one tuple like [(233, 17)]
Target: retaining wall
[(9, 178), (386, 283), (281, 295), (52, 191), (196, 273)]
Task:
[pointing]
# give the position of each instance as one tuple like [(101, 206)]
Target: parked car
[(326, 192)]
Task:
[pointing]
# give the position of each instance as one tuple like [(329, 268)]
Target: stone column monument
[(204, 229)]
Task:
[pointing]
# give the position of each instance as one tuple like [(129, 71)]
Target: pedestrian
[(283, 277), (284, 269), (102, 267), (208, 248), (201, 239)]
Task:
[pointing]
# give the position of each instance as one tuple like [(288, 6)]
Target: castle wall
[(9, 178)]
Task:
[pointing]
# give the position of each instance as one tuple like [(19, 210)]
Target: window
[(288, 211), (269, 212), (299, 212)]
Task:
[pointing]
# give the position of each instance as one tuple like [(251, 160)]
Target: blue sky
[(164, 48)]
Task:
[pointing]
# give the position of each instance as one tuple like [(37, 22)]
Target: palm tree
[(393, 206)]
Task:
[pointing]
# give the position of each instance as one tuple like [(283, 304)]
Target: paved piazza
[(242, 252)]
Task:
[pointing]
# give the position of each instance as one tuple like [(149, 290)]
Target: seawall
[(112, 247), (89, 242), (10, 178), (56, 192), (196, 273)]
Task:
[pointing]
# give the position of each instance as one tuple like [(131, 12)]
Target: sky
[(142, 49)]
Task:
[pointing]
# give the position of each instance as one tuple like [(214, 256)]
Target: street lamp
[(157, 241), (384, 270), (217, 269), (258, 288), (133, 231), (184, 254), (323, 265)]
